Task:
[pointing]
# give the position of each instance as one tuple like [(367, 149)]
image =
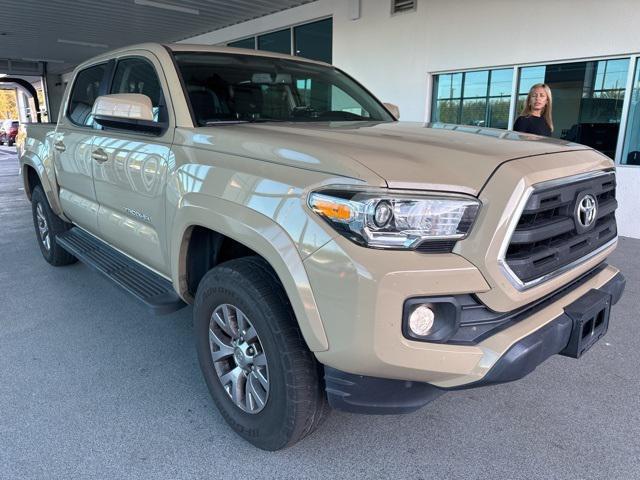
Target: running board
[(147, 286)]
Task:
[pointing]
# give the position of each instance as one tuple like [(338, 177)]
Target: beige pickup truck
[(333, 255)]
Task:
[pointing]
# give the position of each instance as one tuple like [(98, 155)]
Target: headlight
[(387, 219)]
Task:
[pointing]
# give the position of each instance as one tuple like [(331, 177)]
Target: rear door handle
[(59, 146), (99, 155)]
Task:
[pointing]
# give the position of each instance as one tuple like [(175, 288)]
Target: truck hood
[(405, 155)]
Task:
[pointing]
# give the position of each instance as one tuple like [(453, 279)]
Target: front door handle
[(99, 155), (59, 146)]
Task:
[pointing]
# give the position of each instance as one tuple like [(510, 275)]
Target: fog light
[(421, 320)]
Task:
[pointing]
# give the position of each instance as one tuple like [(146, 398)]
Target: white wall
[(628, 194), (379, 50), (394, 55)]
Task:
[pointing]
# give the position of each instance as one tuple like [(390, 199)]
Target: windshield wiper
[(210, 123), (263, 119)]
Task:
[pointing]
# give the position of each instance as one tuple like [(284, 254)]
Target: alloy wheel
[(239, 359), (43, 227)]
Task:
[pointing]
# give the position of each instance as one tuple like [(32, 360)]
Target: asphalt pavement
[(93, 386)]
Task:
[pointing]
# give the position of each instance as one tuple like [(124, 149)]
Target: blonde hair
[(546, 111)]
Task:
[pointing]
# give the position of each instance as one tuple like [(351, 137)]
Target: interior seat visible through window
[(206, 104), (85, 91), (247, 100)]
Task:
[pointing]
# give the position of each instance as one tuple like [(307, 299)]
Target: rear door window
[(87, 87)]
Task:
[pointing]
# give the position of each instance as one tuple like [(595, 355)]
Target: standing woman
[(536, 114)]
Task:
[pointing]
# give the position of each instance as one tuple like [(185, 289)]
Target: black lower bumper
[(583, 323)]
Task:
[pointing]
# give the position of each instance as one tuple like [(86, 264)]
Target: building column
[(23, 107)]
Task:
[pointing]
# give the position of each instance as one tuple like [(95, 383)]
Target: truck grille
[(550, 233)]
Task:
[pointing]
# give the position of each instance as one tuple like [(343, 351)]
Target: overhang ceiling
[(63, 33)]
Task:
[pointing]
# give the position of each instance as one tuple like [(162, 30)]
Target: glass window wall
[(479, 98), (631, 150), (277, 42), (587, 99), (249, 43), (313, 40)]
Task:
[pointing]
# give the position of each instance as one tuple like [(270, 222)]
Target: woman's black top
[(532, 124)]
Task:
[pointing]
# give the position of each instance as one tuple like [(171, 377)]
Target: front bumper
[(364, 394), (360, 295), (556, 336)]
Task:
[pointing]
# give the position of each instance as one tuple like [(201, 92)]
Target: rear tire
[(48, 226), (252, 308)]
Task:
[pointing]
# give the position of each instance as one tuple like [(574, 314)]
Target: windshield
[(224, 87)]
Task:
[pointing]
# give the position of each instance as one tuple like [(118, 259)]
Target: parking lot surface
[(93, 386)]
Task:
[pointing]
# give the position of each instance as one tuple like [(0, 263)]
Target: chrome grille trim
[(504, 267)]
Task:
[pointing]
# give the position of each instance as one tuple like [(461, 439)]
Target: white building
[(467, 61)]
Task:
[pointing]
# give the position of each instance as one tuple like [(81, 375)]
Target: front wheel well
[(205, 249)]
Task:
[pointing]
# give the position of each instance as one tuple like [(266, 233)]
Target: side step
[(150, 288)]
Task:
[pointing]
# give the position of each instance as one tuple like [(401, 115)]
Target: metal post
[(427, 107), (293, 40), (45, 90), (514, 97)]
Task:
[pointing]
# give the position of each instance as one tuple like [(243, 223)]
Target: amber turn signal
[(331, 209)]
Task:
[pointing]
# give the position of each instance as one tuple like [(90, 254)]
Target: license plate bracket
[(590, 315)]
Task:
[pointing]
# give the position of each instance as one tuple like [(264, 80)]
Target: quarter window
[(86, 89)]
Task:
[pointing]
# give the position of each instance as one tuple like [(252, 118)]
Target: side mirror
[(395, 111), (127, 111)]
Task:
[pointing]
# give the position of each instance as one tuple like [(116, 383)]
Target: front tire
[(261, 375), (48, 226)]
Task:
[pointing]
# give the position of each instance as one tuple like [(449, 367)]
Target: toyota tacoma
[(334, 256)]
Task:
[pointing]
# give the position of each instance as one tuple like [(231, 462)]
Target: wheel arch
[(33, 174), (259, 235)]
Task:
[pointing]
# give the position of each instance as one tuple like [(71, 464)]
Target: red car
[(8, 132)]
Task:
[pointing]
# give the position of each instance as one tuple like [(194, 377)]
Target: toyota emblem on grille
[(587, 210)]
